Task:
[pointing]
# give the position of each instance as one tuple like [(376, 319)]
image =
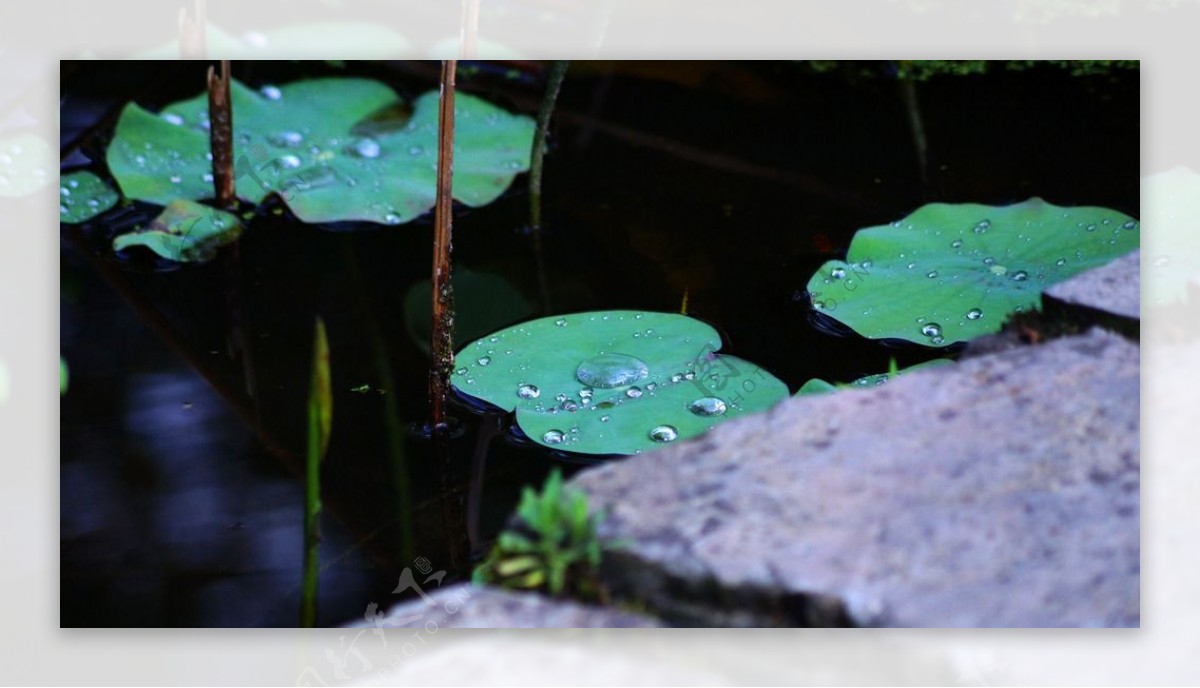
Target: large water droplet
[(974, 314), (708, 406), (529, 392), (553, 437), (664, 433), (607, 371), (286, 139), (931, 330), (365, 148), (484, 360)]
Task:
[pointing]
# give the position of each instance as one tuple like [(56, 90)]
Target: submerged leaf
[(819, 386), (300, 141), (613, 382), (82, 196), (948, 273), (185, 232)]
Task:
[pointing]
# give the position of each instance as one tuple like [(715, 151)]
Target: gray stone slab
[(1001, 492), (471, 606), (1113, 289)]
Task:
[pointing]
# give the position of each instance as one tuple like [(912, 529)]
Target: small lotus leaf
[(82, 196), (819, 386), (951, 272), (185, 232), (334, 149), (613, 382)]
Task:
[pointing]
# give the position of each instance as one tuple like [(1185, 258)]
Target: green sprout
[(552, 545)]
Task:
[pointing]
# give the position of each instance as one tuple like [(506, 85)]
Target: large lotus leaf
[(1171, 255), (613, 382), (819, 386), (951, 272), (334, 149), (185, 231), (82, 196)]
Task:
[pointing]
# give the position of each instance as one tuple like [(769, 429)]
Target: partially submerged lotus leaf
[(951, 272), (819, 386), (82, 196), (324, 147), (613, 382), (185, 232)]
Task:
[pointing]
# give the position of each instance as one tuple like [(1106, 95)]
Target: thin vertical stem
[(916, 124), (443, 295), (320, 422), (220, 114), (558, 70)]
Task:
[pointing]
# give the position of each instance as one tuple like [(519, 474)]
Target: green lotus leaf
[(82, 196), (819, 386), (613, 382), (185, 231), (951, 272), (334, 149)]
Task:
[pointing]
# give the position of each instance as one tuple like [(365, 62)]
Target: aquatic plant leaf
[(819, 386), (951, 272), (484, 301), (82, 196), (613, 382), (316, 143), (1171, 252), (185, 232)]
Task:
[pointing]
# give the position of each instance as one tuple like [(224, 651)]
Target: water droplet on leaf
[(708, 406), (610, 370), (664, 433)]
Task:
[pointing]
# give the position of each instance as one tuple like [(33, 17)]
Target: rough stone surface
[(470, 606), (1113, 290), (1001, 492)]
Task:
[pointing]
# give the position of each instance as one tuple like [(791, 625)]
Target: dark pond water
[(183, 427)]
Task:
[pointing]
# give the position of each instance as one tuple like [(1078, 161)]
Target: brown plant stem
[(441, 345), (220, 115)]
